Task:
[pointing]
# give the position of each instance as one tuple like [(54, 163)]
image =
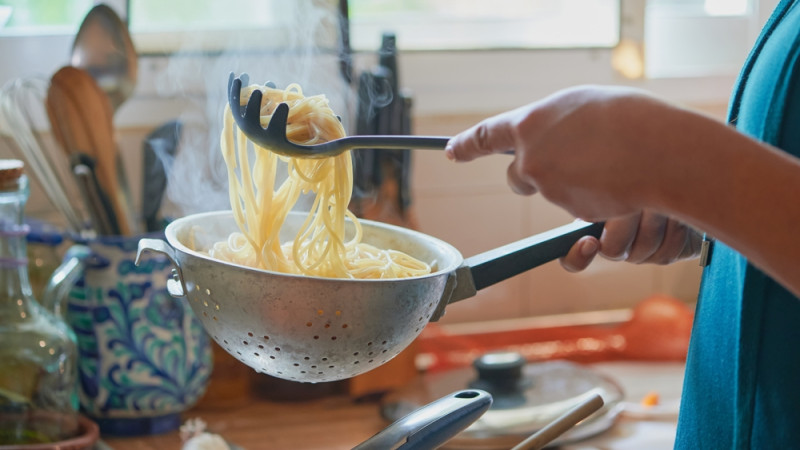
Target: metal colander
[(313, 329)]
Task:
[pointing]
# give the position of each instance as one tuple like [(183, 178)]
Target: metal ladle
[(104, 48)]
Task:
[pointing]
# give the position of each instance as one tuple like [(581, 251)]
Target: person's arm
[(613, 153)]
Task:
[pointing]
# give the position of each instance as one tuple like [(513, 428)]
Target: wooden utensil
[(562, 424), (81, 117)]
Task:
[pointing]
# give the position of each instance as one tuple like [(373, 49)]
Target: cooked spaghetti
[(261, 202)]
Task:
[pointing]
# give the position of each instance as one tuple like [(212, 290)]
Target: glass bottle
[(43, 255), (38, 351)]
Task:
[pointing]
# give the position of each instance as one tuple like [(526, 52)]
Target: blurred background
[(447, 63)]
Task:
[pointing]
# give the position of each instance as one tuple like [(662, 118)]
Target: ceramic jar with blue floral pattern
[(143, 356)]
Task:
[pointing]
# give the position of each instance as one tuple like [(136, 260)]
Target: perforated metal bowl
[(314, 329)]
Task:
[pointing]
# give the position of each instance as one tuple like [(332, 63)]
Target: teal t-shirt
[(742, 384)]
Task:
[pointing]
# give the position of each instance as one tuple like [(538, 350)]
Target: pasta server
[(274, 136), (315, 329)]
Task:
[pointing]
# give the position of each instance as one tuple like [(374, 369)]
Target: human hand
[(644, 237), (593, 151)]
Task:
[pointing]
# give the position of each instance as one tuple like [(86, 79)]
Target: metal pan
[(314, 329)]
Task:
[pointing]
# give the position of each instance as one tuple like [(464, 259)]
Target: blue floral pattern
[(142, 353)]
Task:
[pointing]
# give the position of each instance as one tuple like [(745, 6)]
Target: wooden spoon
[(81, 117)]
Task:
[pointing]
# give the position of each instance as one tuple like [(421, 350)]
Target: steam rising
[(304, 51)]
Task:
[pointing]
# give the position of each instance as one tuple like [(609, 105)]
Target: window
[(41, 17), (684, 46), (240, 25), (419, 25), (480, 24), (699, 37)]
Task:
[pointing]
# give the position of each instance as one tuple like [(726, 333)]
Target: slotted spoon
[(274, 136)]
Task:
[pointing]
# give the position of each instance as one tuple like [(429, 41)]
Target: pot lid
[(526, 397)]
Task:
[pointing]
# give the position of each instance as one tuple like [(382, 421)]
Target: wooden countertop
[(336, 421), (329, 423)]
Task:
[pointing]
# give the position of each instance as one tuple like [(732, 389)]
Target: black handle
[(509, 260), (398, 142), (432, 425)]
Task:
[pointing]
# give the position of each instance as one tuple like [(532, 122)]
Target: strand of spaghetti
[(246, 195), (266, 191), (229, 147)]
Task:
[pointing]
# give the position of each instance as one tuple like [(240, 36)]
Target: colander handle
[(494, 266), (432, 425), (175, 285)]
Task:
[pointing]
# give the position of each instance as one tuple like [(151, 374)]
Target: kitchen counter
[(328, 423), (338, 422)]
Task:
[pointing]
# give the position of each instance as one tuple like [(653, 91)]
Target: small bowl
[(88, 434)]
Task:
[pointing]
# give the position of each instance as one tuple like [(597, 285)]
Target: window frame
[(440, 81)]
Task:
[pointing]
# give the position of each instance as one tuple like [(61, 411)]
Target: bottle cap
[(10, 172)]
